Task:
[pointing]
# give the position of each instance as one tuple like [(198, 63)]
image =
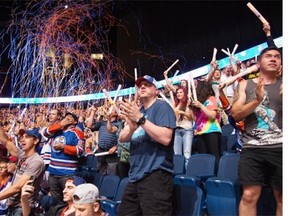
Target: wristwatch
[(141, 121)]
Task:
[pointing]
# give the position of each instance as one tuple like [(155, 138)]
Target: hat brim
[(141, 79), (28, 132)]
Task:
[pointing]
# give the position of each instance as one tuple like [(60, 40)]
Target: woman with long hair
[(208, 129), (184, 124)]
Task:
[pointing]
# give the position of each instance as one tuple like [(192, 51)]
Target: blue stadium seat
[(223, 191), (111, 206), (109, 186), (179, 164), (200, 167), (188, 198)]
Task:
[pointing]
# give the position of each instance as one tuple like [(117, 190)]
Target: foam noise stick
[(256, 12), (172, 65), (214, 54), (110, 100), (234, 49)]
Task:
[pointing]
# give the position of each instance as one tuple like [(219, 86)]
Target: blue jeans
[(183, 142)]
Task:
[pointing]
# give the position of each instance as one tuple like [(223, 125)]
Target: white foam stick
[(228, 50), (256, 12), (234, 49), (21, 117), (214, 54), (110, 100), (224, 51), (135, 73), (130, 93), (232, 79), (116, 94), (193, 87), (177, 71), (228, 54), (23, 112), (165, 99), (189, 87), (172, 65), (103, 153)]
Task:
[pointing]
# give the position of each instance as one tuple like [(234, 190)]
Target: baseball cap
[(76, 180), (33, 132), (148, 79), (269, 48), (73, 115), (85, 194)]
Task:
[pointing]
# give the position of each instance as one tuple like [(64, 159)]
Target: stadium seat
[(111, 206), (188, 198), (179, 164), (109, 186), (223, 191)]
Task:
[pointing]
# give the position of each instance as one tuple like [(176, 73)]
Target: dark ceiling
[(184, 30)]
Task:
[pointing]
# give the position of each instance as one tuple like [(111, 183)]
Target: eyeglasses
[(3, 167)]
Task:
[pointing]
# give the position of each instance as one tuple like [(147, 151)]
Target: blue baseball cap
[(33, 132), (148, 79), (76, 180)]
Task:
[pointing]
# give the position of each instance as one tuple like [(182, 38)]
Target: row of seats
[(198, 188)]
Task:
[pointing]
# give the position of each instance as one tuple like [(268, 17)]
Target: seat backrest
[(231, 143), (228, 166), (121, 188), (91, 161), (200, 165), (179, 164), (109, 186), (222, 197), (96, 177), (188, 198), (227, 129)]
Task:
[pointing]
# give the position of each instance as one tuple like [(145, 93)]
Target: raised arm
[(269, 38), (169, 84), (89, 120), (8, 144)]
